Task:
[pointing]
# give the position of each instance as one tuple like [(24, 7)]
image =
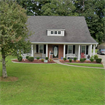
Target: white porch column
[(79, 52), (64, 51), (90, 50), (32, 50), (93, 50), (46, 50)]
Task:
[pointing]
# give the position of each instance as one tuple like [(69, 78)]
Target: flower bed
[(77, 61), (35, 61)]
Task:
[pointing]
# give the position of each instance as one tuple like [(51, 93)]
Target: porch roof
[(76, 30)]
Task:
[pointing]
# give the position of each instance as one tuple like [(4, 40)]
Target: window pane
[(59, 32), (55, 32), (70, 49), (41, 49), (83, 49), (51, 32)]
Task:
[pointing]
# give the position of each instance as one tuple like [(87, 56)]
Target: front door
[(55, 51)]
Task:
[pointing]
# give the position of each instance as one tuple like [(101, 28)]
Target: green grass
[(52, 84), (85, 64)]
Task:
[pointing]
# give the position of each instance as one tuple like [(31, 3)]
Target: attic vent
[(55, 32)]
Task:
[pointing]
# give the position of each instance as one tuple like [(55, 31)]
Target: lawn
[(52, 84), (86, 64)]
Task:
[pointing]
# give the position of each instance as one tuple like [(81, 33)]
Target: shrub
[(46, 58), (98, 60), (70, 60), (64, 59), (75, 59), (95, 57), (91, 59), (37, 58), (42, 60), (31, 59), (27, 57), (19, 58), (82, 60)]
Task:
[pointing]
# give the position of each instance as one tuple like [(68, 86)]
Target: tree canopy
[(13, 30), (92, 10)]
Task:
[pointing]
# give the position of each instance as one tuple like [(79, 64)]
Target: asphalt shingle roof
[(76, 29)]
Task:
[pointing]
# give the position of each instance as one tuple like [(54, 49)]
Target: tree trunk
[(4, 72)]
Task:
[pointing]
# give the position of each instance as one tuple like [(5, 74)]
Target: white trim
[(46, 50), (64, 43), (56, 29), (79, 52), (93, 50), (32, 50), (64, 51)]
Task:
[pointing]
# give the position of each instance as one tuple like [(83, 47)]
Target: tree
[(58, 7), (13, 31), (93, 10)]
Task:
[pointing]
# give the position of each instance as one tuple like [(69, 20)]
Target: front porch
[(60, 51)]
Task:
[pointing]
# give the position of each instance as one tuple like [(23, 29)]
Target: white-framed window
[(55, 32), (41, 48), (51, 32), (83, 49), (70, 49), (59, 32)]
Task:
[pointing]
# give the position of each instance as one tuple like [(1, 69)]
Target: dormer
[(55, 32)]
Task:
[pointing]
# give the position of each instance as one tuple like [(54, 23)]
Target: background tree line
[(92, 10)]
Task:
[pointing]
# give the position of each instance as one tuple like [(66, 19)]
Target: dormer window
[(59, 32), (55, 32)]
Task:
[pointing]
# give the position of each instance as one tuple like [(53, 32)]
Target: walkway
[(57, 61)]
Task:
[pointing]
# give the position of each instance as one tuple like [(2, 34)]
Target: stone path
[(57, 61)]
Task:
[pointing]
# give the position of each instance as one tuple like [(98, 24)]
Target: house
[(60, 36)]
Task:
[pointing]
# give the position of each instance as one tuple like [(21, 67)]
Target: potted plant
[(46, 59)]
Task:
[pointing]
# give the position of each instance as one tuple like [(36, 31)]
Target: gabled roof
[(76, 29)]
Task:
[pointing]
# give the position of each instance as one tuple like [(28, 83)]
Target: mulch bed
[(77, 61), (35, 61), (8, 79)]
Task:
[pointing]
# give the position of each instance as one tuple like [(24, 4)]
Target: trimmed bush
[(19, 58), (91, 59), (27, 57), (31, 59), (98, 60), (64, 59), (50, 60), (75, 59), (70, 60), (82, 60), (95, 57), (42, 60), (46, 58), (37, 58)]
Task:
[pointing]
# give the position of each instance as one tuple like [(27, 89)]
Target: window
[(51, 32), (40, 48), (70, 49), (83, 49), (59, 32), (55, 32)]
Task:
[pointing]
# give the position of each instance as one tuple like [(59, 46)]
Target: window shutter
[(87, 49), (66, 49), (73, 49), (44, 49), (37, 48)]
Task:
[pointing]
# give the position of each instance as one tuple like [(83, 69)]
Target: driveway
[(103, 59)]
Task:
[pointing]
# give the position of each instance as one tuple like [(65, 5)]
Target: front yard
[(52, 84)]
